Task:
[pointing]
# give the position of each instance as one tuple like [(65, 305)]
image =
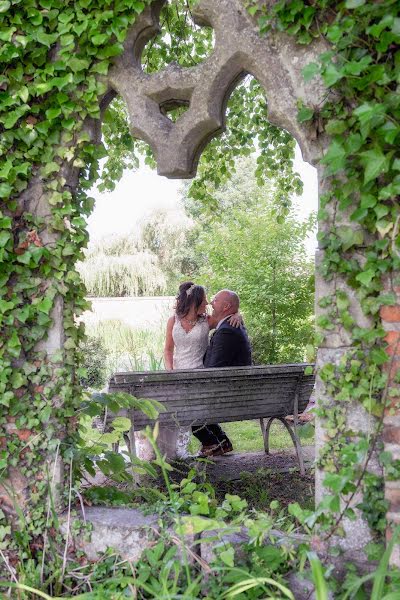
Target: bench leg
[(296, 442), (265, 432), (131, 443)]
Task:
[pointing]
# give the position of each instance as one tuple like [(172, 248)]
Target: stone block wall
[(390, 316)]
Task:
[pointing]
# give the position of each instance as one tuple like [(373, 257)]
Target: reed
[(128, 348)]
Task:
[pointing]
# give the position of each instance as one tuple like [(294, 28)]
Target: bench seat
[(202, 396)]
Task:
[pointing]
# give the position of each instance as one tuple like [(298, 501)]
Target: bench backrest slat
[(204, 396)]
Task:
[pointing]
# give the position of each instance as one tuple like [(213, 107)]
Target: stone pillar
[(335, 345), (390, 316), (358, 421)]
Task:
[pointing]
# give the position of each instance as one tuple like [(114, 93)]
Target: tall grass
[(128, 348)]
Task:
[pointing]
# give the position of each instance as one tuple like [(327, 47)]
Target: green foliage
[(146, 262), (244, 248), (165, 234), (94, 363), (53, 57), (248, 129), (93, 451), (171, 567), (136, 274), (127, 347)]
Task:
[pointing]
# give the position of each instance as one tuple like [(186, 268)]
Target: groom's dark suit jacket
[(229, 347)]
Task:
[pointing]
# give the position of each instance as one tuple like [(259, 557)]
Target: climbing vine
[(359, 233), (54, 54)]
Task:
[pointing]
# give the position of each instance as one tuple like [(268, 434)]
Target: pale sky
[(138, 193)]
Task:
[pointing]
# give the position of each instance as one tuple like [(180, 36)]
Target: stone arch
[(276, 62), (205, 89)]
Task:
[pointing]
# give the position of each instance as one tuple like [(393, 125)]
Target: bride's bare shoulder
[(171, 321)]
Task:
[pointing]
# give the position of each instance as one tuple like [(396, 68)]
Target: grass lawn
[(246, 436)]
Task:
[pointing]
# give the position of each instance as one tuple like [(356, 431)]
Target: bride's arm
[(169, 345), (236, 320)]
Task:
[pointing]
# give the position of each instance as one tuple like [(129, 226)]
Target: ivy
[(53, 54)]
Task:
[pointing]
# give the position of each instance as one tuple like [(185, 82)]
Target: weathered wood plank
[(196, 397)]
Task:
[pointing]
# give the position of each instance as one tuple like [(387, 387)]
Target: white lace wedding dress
[(190, 347)]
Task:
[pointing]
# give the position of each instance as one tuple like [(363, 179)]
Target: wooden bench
[(202, 396)]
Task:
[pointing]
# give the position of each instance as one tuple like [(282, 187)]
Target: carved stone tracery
[(276, 61)]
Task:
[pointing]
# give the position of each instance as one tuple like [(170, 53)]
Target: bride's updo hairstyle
[(189, 294)]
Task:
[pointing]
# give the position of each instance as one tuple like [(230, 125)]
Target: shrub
[(94, 363)]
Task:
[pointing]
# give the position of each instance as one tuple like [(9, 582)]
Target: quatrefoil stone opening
[(178, 110)]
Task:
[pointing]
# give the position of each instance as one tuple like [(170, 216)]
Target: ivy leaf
[(101, 67), (350, 237), (51, 167), (305, 114), (47, 39), (335, 157), (121, 424), (14, 345), (366, 277), (45, 414), (17, 380), (391, 190), (384, 226), (228, 557), (78, 64), (5, 190), (335, 482), (336, 127), (24, 93), (5, 401), (375, 163), (138, 5), (99, 39), (69, 344), (45, 305), (379, 356), (331, 75), (53, 113), (310, 71)]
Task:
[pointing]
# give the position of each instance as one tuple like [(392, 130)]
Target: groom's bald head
[(225, 303)]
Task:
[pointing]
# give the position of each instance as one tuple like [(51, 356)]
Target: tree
[(148, 262), (118, 266), (246, 249), (165, 233)]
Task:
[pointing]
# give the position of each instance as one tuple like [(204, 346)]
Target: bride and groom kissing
[(188, 345)]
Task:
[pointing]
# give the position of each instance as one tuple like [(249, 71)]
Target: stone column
[(335, 345)]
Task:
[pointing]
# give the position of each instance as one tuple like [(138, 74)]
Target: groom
[(229, 347)]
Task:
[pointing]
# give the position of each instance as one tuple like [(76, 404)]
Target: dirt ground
[(254, 476), (259, 478)]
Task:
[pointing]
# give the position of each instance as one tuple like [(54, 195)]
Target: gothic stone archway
[(277, 63)]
